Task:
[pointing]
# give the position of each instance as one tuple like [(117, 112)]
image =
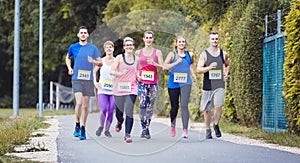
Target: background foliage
[(291, 85), (239, 22)]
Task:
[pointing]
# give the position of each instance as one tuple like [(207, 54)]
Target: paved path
[(160, 148)]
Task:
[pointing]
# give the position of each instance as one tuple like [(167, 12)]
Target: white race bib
[(107, 84), (84, 74), (124, 86), (215, 74), (148, 75), (180, 77)]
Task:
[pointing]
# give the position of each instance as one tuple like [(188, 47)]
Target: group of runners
[(135, 74)]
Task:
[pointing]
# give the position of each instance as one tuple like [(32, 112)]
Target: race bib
[(124, 86), (84, 74), (107, 84), (180, 77), (215, 74), (148, 75)]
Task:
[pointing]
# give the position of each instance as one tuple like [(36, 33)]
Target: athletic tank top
[(126, 84), (106, 80), (180, 74), (213, 79), (148, 72)]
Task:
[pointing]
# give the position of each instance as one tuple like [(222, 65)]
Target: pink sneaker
[(185, 133), (173, 131), (118, 127), (127, 139)]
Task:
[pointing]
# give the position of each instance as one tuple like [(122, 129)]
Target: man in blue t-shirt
[(82, 77)]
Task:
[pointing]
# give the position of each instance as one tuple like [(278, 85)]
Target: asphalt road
[(160, 148)]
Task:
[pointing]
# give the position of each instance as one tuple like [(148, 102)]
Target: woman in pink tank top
[(150, 60), (125, 69)]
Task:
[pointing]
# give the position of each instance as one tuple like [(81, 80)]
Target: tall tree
[(6, 52), (61, 20)]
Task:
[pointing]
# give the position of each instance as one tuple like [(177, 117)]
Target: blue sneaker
[(76, 132), (144, 133), (82, 134)]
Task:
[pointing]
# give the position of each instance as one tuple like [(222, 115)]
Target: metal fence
[(273, 116)]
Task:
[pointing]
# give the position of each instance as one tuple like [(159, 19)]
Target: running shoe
[(76, 132), (107, 134), (185, 133), (144, 133), (173, 131), (82, 134), (217, 131), (208, 134), (147, 136), (127, 138), (118, 127), (99, 131)]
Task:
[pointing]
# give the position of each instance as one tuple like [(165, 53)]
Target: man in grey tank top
[(214, 64)]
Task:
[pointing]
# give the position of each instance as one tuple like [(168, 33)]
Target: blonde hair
[(127, 39), (180, 37), (108, 43)]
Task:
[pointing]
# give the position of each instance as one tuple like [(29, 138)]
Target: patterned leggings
[(147, 96)]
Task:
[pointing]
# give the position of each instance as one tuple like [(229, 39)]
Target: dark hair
[(213, 33), (82, 27), (149, 32)]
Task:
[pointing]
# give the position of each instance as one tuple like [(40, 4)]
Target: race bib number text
[(180, 77), (215, 74), (148, 75), (84, 74), (124, 86), (107, 84)]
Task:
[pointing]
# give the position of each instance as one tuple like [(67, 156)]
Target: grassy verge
[(17, 131), (281, 138)]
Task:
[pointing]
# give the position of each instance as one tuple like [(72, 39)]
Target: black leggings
[(184, 94), (126, 103)]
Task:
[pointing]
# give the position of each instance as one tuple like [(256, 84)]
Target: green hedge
[(291, 85)]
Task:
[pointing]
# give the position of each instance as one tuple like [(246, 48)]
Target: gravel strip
[(47, 141)]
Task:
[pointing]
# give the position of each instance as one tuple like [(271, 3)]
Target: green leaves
[(291, 85)]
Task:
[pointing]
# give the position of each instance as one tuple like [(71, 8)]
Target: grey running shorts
[(212, 98), (86, 87)]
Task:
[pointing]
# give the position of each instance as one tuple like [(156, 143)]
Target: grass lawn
[(17, 131)]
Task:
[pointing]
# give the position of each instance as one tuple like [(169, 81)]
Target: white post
[(57, 96), (266, 26), (41, 106), (51, 95), (278, 21), (16, 80)]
